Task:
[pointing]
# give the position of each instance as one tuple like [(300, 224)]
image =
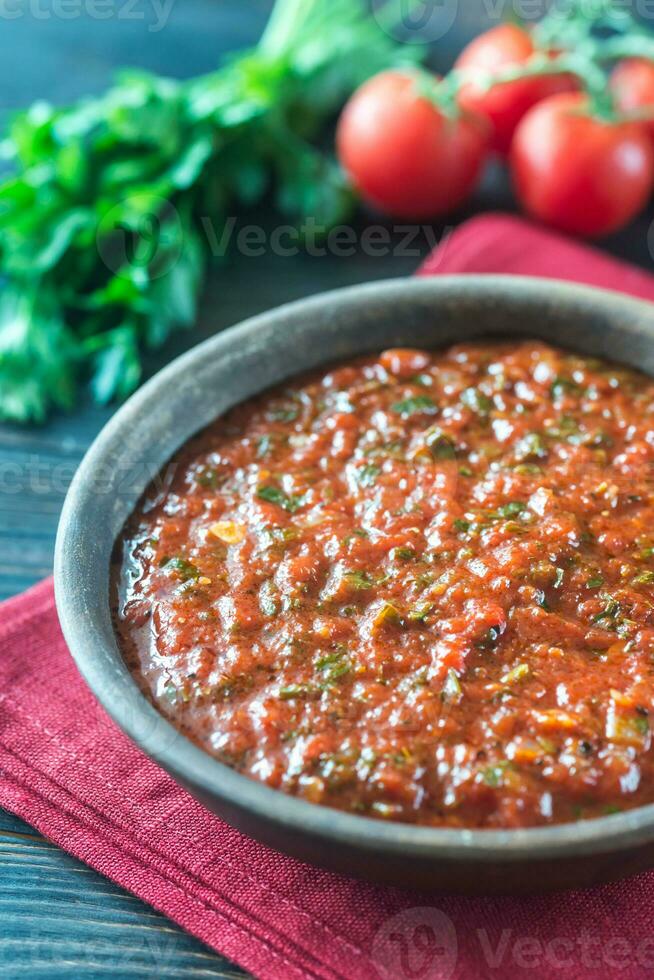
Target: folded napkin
[(68, 771)]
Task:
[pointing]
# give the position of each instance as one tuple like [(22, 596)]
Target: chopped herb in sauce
[(274, 495), (414, 406), (182, 568), (366, 476), (359, 580), (440, 445), (446, 624), (562, 386), (477, 401)]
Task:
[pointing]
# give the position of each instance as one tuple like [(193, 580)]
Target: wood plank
[(59, 918)]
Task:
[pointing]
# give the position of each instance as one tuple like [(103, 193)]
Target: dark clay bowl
[(231, 367)]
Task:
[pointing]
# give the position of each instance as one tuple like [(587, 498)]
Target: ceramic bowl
[(231, 367)]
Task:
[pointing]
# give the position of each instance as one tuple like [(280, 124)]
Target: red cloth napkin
[(500, 243), (67, 770)]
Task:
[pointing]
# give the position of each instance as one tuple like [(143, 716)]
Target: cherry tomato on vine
[(632, 84), (404, 155), (506, 104), (583, 174)]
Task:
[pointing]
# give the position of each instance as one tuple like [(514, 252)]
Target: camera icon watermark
[(142, 232), (416, 21), (416, 944), (143, 237)]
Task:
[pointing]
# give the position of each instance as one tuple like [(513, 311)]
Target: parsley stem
[(626, 46), (284, 24), (582, 66)]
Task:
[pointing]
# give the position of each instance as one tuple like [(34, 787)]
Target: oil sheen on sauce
[(418, 586)]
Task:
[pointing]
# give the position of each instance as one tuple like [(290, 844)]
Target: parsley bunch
[(102, 249)]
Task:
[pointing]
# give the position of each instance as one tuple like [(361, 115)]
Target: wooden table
[(59, 918)]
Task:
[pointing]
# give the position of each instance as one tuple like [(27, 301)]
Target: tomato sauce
[(418, 586)]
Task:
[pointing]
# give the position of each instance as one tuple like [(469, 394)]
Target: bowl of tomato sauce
[(372, 576)]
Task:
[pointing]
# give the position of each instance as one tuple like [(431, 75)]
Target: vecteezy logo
[(416, 21), (142, 232), (417, 944)]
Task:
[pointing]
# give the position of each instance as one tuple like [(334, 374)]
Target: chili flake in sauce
[(418, 586)]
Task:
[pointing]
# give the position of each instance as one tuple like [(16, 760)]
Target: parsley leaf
[(274, 495), (367, 475), (477, 401), (113, 204), (412, 406)]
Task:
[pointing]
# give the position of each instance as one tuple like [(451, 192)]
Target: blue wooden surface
[(57, 917), (61, 919)]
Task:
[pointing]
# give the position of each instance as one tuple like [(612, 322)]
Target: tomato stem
[(445, 92), (628, 46), (568, 44), (575, 23)]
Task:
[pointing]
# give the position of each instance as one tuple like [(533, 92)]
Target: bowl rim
[(202, 772)]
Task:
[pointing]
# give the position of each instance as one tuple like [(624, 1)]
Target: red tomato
[(403, 154), (632, 84), (505, 105), (579, 173)]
